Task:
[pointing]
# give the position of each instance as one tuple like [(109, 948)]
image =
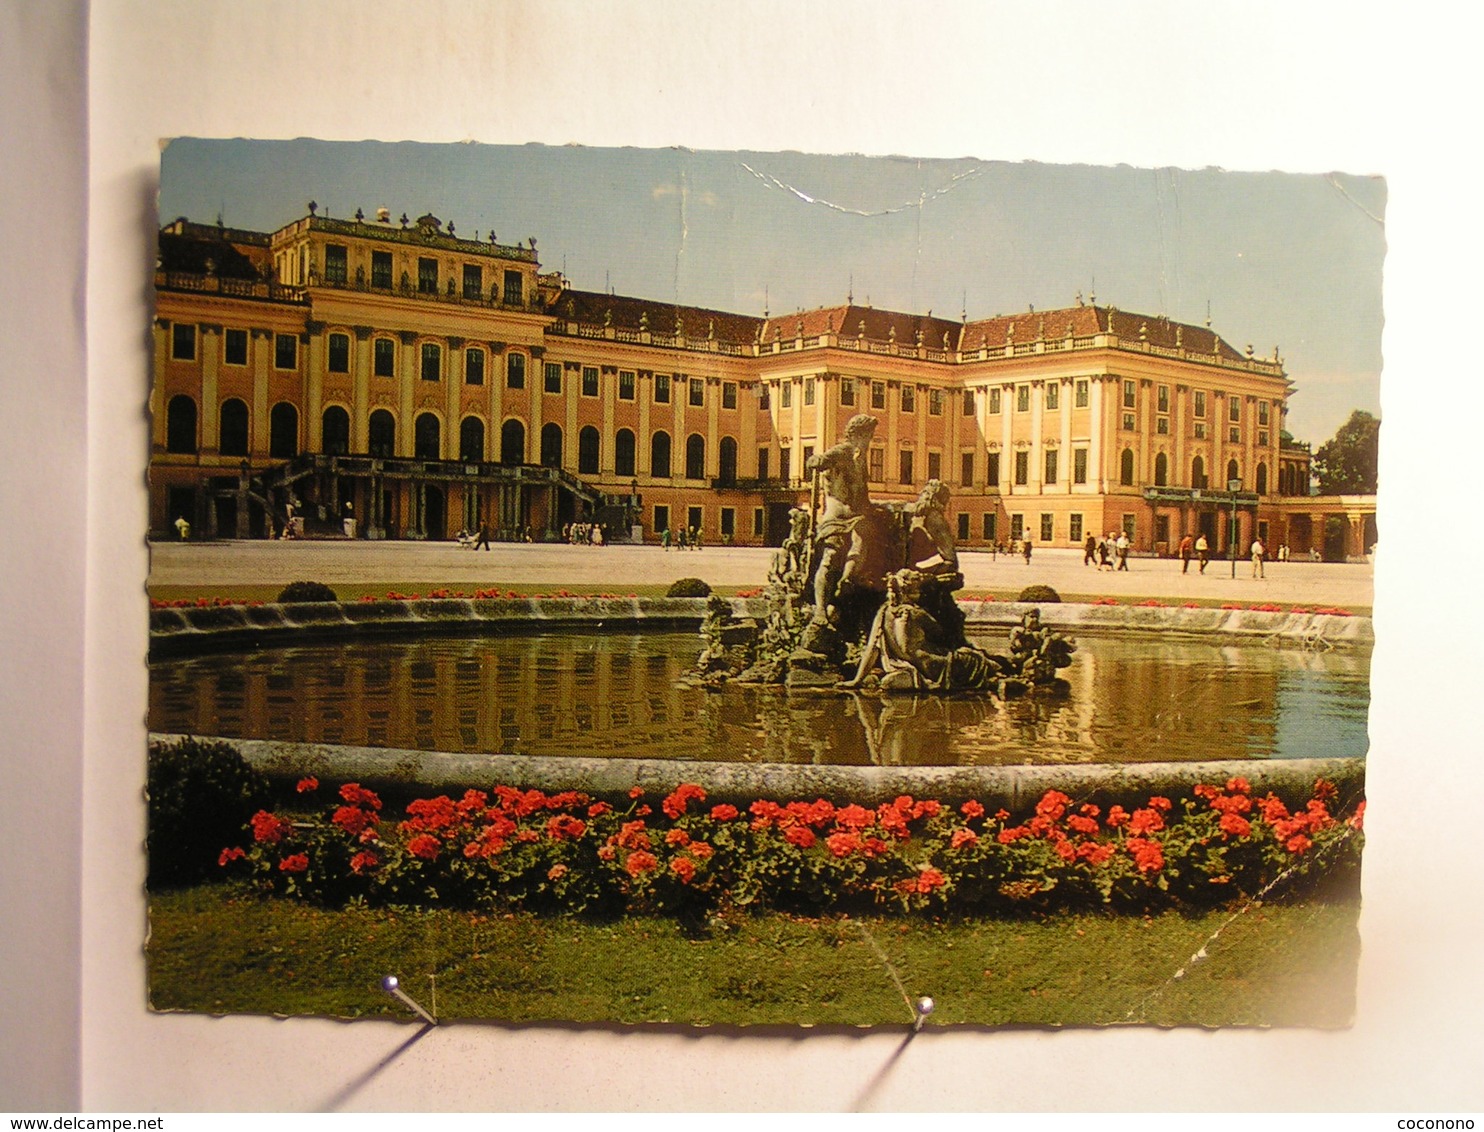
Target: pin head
[(925, 1006), (390, 983)]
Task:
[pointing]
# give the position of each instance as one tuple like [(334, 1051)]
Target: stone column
[(314, 386), (452, 430), (208, 344), (1097, 474), (608, 393), (360, 411), (407, 379), (158, 404), (262, 354), (713, 427), (535, 384)]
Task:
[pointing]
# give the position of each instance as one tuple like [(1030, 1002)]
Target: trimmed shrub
[(688, 587), (201, 795), (1039, 594), (296, 592)]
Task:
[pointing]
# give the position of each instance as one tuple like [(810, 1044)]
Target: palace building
[(394, 380)]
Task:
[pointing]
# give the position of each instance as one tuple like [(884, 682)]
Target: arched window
[(426, 437), (659, 455), (1161, 470), (623, 453), (551, 446), (1126, 468), (1232, 471), (1198, 473), (232, 438), (383, 433), (512, 443), (695, 457), (283, 431), (471, 440), (728, 457), (588, 447), (335, 431), (1262, 479), (180, 425)]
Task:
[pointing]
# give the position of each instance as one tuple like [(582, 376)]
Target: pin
[(925, 1006), (393, 986)]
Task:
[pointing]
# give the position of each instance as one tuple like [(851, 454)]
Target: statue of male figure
[(842, 472)]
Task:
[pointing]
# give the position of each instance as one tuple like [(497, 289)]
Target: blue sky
[(1282, 259)]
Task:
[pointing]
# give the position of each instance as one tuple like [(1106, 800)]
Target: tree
[(1346, 465)]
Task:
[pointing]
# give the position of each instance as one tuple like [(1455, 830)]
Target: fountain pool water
[(623, 695)]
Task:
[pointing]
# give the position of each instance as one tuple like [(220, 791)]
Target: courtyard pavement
[(541, 568)]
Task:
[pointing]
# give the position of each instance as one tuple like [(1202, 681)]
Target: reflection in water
[(621, 695)]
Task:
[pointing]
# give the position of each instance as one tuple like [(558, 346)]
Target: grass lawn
[(223, 949)]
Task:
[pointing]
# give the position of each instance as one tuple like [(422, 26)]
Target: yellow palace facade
[(384, 379)]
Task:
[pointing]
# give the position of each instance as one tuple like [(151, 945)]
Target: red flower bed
[(568, 852)]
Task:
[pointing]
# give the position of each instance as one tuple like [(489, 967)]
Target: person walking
[(1123, 545), (1186, 546), (1203, 552), (665, 540), (1258, 551), (1090, 551), (1025, 549), (484, 537)]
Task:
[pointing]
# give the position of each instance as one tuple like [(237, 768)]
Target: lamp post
[(1232, 487)]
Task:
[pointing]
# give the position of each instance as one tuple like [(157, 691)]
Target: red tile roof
[(626, 313)]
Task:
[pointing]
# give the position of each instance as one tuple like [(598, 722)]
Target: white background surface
[(1304, 88)]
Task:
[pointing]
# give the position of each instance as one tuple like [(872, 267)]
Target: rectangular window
[(1128, 527), (1080, 394), (1162, 399), (514, 288), (994, 401), (697, 391), (786, 395), (1079, 465), (1234, 409), (935, 402), (183, 341), (808, 391), (236, 348), (808, 455), (904, 466), (963, 526), (785, 458), (694, 518), (1128, 422), (285, 351), (847, 391), (1051, 468), (1200, 430), (381, 270), (1022, 398), (728, 394), (762, 462), (1262, 412), (432, 362), (764, 397), (1235, 434), (337, 358), (515, 371), (1262, 440), (1130, 395), (989, 526), (473, 281), (968, 402), (992, 469), (876, 465), (1162, 426), (757, 522), (625, 385), (661, 517), (728, 522), (1048, 527), (589, 381), (1074, 527), (427, 275), (966, 469), (662, 388), (1053, 394), (878, 394), (335, 263), (1017, 527), (473, 366), (1022, 468), (909, 399), (384, 357), (553, 382), (935, 465), (1200, 402)]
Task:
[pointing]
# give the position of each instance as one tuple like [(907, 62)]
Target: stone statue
[(838, 543), (1037, 651), (791, 563), (910, 649)]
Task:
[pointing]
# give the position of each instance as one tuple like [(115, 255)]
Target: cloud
[(707, 198)]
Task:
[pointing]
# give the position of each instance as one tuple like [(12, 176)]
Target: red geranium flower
[(800, 835), (295, 864), (1148, 855), (1234, 826), (724, 812), (363, 862), (268, 829), (639, 863), (1117, 816), (971, 809), (1146, 821), (930, 879), (230, 855), (307, 784), (964, 836), (843, 844), (677, 837), (1238, 785), (598, 809), (682, 867), (675, 803), (424, 845), (700, 850)]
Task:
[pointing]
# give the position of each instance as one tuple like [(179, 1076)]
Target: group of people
[(686, 538), (479, 539), (1104, 553), (585, 534)]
